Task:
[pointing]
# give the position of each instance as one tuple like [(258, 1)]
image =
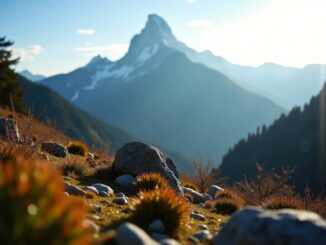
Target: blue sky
[(58, 36)]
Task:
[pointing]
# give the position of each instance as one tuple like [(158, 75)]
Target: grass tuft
[(161, 204), (77, 148), (151, 181)]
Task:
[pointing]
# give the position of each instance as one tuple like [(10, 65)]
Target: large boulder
[(136, 158), (54, 148), (9, 129), (256, 226)]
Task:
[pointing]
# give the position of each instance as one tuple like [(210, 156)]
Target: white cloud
[(200, 23), (287, 32), (192, 1), (112, 51), (82, 31), (28, 53)]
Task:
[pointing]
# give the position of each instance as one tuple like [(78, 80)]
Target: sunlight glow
[(287, 32)]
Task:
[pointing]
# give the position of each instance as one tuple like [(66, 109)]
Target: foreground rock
[(125, 180), (137, 158), (9, 129), (256, 226), (131, 234), (74, 190), (197, 197), (213, 189), (54, 148), (104, 189)]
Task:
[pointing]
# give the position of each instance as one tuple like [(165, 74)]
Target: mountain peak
[(30, 76), (157, 23), (157, 29), (97, 60)]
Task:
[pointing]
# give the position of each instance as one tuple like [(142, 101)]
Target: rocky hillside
[(296, 140), (138, 198)]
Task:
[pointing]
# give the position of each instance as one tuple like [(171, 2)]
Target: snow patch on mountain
[(75, 97), (147, 53)]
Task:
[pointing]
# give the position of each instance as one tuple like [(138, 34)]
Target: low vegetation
[(151, 181), (29, 192), (161, 204), (77, 148), (226, 206), (282, 202), (74, 166)]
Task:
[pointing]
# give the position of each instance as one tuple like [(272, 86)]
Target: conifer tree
[(10, 89)]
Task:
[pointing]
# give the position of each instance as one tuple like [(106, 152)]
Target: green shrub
[(226, 206), (34, 209), (77, 148), (282, 202), (150, 181), (160, 204)]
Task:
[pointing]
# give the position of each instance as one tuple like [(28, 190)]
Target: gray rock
[(105, 202), (120, 200), (159, 236), (101, 188), (91, 225), (90, 156), (54, 148), (9, 130), (74, 190), (198, 217), (213, 189), (197, 197), (169, 242), (97, 208), (203, 235), (157, 226), (28, 141), (125, 180), (202, 227), (91, 189), (131, 234), (103, 194), (43, 156), (136, 158), (121, 194), (193, 240), (257, 226)]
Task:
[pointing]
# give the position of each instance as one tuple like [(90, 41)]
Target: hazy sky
[(55, 36)]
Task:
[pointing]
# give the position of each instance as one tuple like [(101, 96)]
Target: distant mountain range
[(298, 139), (159, 94), (49, 107), (30, 76)]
